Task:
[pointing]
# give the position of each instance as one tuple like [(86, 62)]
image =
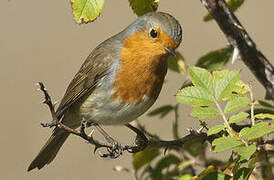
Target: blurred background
[(39, 41)]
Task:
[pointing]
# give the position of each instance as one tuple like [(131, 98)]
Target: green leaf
[(225, 143), (167, 161), (215, 59), (233, 4), (241, 88), (195, 96), (144, 157), (238, 117), (264, 116), (242, 174), (204, 112), (224, 86), (185, 177), (162, 111), (262, 110), (246, 152), (217, 75), (162, 164), (206, 171), (256, 131), (236, 103), (201, 78), (265, 104), (184, 164), (141, 7), (215, 129), (217, 176), (177, 63), (175, 127), (86, 10)]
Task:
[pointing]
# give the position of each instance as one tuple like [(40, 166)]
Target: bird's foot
[(49, 124), (115, 151), (141, 140)]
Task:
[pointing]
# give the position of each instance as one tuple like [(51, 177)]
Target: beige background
[(39, 41)]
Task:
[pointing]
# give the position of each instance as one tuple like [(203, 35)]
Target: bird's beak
[(170, 50)]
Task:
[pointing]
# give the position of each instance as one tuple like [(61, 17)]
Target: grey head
[(163, 20)]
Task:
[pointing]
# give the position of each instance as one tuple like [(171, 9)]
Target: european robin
[(119, 80)]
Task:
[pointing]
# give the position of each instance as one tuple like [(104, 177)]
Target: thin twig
[(153, 141)]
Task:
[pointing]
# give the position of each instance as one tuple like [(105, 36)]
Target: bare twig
[(177, 144), (239, 38)]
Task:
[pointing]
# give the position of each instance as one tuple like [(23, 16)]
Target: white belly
[(103, 110)]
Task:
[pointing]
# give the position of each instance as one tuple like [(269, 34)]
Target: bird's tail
[(50, 149)]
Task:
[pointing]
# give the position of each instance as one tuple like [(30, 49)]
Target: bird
[(119, 80)]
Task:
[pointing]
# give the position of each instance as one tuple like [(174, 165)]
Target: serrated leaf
[(86, 10), (236, 103), (264, 116), (256, 131), (225, 143), (141, 7), (238, 117), (224, 86), (201, 78), (241, 87), (215, 129), (144, 157), (217, 176), (215, 59), (162, 111), (244, 131), (243, 174), (233, 4), (217, 75), (204, 112), (246, 152), (195, 96), (177, 63)]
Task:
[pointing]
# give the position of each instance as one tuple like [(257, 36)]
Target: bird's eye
[(153, 33)]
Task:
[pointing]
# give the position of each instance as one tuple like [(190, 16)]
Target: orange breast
[(143, 67)]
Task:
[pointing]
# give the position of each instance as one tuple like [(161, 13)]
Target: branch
[(238, 37), (113, 152), (178, 143)]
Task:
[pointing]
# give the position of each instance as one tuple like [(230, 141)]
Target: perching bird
[(119, 81)]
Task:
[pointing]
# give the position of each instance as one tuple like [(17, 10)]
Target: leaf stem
[(252, 107), (230, 130), (223, 116)]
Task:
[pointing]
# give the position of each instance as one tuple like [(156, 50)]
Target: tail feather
[(50, 149)]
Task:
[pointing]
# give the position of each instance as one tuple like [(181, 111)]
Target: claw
[(95, 149), (165, 150)]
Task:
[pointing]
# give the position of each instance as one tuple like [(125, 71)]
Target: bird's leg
[(141, 140), (116, 150)]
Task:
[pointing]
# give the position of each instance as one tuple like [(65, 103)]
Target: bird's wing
[(94, 67)]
